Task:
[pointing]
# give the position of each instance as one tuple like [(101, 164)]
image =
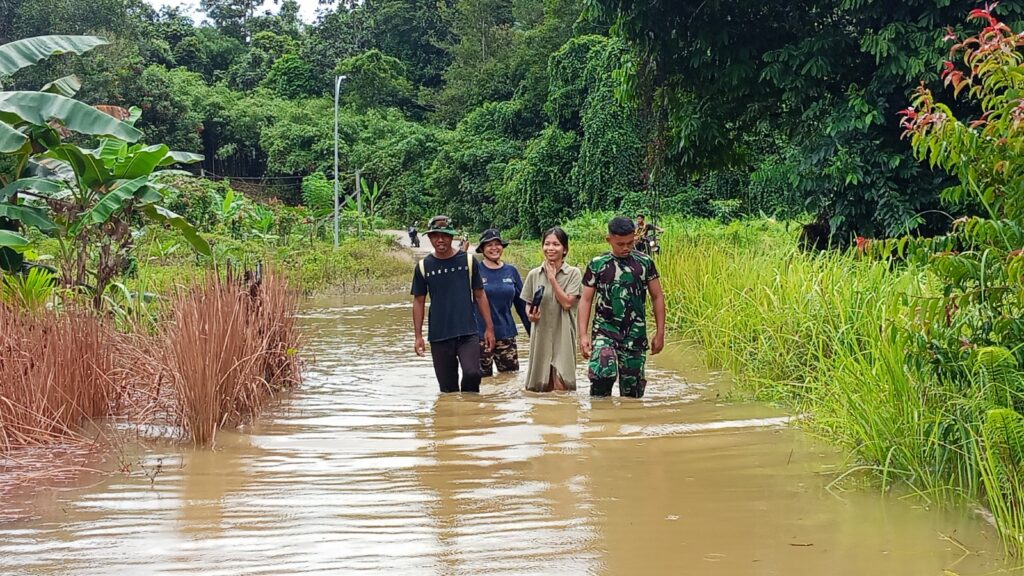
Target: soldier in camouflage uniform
[(618, 283)]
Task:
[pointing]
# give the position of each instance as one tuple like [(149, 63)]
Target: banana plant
[(86, 198), (90, 199), (261, 223), (373, 194), (21, 110), (31, 121), (227, 208)]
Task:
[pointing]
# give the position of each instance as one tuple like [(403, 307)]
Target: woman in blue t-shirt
[(502, 284)]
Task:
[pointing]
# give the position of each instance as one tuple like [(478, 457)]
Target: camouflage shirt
[(621, 297)]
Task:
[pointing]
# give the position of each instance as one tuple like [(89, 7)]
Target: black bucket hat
[(490, 235)]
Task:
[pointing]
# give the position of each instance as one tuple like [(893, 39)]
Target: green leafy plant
[(30, 291), (1002, 459), (92, 199), (162, 249), (31, 120), (262, 223), (981, 263), (88, 198), (132, 310), (372, 195), (228, 207), (317, 194), (974, 332)]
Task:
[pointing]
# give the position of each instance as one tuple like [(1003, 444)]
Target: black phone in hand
[(537, 297)]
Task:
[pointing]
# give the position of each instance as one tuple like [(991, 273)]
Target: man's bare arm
[(583, 320), (419, 306)]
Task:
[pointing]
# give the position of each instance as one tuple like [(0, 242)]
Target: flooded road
[(366, 469)]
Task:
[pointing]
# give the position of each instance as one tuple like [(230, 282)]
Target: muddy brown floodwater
[(366, 469)]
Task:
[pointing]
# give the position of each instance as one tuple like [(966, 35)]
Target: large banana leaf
[(149, 194), (40, 186), (21, 53), (112, 202), (141, 162), (111, 151), (89, 170), (66, 86), (52, 169), (40, 107), (10, 139), (175, 157), (12, 239), (160, 214), (132, 162), (28, 215)]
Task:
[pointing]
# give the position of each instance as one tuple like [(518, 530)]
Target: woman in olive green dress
[(553, 338)]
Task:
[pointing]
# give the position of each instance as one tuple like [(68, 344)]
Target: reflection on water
[(367, 469)]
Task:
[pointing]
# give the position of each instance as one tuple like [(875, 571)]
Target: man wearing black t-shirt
[(452, 279)]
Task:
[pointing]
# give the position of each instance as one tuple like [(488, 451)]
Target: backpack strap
[(470, 261)]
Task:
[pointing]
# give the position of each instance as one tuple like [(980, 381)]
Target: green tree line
[(524, 113)]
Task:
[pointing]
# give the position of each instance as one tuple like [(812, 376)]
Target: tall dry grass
[(223, 348), (56, 370), (230, 346)]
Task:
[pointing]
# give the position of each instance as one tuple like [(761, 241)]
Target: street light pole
[(359, 200), (337, 91)]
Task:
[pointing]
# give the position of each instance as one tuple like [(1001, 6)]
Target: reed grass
[(224, 346), (56, 370), (231, 346)]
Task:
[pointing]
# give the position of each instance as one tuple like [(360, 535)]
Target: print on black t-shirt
[(451, 299)]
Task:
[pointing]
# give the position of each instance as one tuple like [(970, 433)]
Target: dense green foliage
[(829, 76), (461, 106), (668, 111)]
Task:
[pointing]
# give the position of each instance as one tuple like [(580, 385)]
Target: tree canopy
[(521, 113)]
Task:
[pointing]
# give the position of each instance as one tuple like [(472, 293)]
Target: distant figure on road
[(502, 284), (452, 279), (620, 280), (640, 235), (414, 238)]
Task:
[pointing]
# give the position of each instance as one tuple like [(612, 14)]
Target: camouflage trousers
[(609, 361), (505, 356)]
